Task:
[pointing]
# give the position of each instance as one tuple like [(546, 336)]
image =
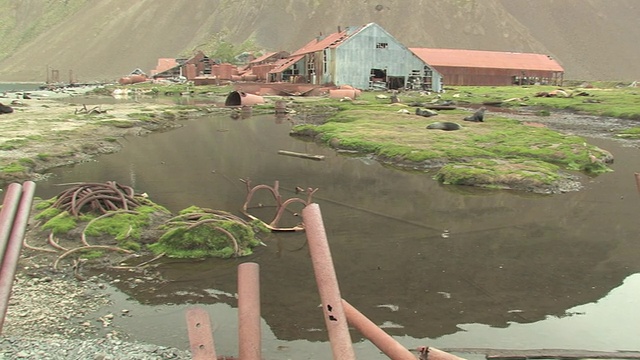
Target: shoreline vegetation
[(52, 129)]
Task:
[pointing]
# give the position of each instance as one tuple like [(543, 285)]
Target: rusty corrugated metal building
[(365, 57), (494, 68)]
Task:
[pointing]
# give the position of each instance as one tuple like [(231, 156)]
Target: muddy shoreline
[(47, 132)]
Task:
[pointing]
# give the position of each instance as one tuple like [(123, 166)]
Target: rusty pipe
[(11, 252), (383, 341), (334, 317), (8, 213), (201, 341), (249, 334)]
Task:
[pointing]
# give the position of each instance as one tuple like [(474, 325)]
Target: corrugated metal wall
[(461, 76), (373, 48)]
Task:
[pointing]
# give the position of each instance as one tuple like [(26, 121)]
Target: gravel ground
[(55, 316)]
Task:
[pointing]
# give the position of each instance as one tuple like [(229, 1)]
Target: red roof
[(164, 64), (262, 58), (486, 59), (283, 64), (329, 41)]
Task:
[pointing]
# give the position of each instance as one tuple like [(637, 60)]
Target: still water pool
[(444, 266)]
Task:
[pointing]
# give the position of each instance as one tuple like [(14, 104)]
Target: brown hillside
[(103, 40)]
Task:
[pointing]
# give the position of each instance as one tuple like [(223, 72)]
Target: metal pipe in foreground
[(8, 213), (249, 334), (11, 252), (325, 274), (200, 334), (383, 341)]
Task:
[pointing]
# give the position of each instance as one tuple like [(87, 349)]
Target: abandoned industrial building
[(492, 68), (366, 57)]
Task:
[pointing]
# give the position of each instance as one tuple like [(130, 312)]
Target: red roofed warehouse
[(474, 67)]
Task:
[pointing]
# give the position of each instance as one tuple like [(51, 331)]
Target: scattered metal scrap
[(100, 197), (108, 198), (93, 110), (281, 206)]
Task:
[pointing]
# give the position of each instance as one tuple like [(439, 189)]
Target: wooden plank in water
[(508, 354), (301, 155)]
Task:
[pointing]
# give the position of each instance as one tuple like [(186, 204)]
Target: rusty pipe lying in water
[(383, 341)]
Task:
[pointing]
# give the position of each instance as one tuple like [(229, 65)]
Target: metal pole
[(249, 334), (327, 281), (11, 253), (388, 345)]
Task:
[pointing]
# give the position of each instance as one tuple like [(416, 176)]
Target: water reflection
[(508, 258)]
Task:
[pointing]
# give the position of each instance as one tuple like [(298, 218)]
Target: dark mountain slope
[(103, 40)]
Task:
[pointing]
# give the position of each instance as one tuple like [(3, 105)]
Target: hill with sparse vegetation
[(103, 40)]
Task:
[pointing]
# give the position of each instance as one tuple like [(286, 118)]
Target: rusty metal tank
[(239, 98)]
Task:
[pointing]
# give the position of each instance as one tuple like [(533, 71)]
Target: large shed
[(365, 57), (495, 68)]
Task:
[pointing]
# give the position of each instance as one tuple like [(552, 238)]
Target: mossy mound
[(77, 218), (199, 232)]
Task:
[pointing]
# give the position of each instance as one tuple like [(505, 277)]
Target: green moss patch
[(498, 152), (198, 233)]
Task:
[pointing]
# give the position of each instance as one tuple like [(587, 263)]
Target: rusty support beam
[(383, 341), (249, 332), (200, 334), (334, 316), (14, 217)]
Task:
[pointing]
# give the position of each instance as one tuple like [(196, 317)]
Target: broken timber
[(301, 155)]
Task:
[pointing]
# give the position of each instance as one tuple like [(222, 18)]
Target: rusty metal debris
[(280, 206), (107, 199), (96, 197), (93, 110)]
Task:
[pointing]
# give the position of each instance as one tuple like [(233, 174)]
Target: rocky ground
[(59, 315)]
